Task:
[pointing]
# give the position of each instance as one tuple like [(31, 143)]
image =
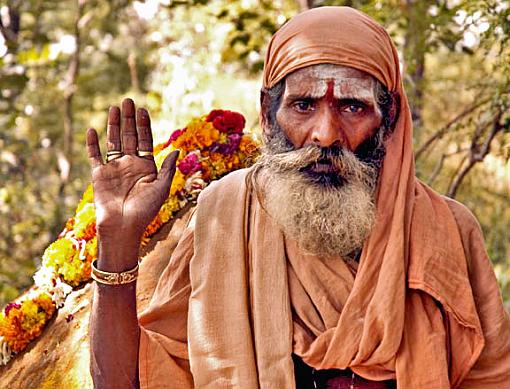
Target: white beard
[(327, 220)]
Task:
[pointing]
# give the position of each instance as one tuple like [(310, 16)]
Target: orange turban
[(336, 35)]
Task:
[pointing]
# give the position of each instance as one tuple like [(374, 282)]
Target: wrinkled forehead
[(346, 82)]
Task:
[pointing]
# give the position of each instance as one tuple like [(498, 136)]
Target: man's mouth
[(323, 172), (323, 166)]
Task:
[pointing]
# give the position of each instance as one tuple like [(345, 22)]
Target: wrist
[(117, 253), (114, 278)]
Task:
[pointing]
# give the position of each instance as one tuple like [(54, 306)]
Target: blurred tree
[(62, 63)]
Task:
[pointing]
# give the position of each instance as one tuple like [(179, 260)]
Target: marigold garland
[(211, 146)]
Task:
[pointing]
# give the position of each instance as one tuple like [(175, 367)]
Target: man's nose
[(328, 131)]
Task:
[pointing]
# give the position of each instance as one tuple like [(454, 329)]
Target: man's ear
[(394, 109), (264, 111)]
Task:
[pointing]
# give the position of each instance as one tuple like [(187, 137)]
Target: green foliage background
[(62, 63)]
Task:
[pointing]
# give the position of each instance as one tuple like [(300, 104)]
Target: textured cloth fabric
[(415, 229), (424, 307), (166, 345)]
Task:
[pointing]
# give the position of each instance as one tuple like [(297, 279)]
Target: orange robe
[(444, 334), (237, 298)]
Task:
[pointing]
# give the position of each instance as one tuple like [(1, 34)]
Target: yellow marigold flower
[(160, 157), (88, 197), (158, 148), (32, 317), (84, 219), (64, 257), (172, 205), (223, 137), (46, 303), (91, 248), (178, 183), (58, 252)]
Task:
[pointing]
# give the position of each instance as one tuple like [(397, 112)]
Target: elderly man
[(327, 264)]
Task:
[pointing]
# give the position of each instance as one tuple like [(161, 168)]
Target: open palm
[(128, 190)]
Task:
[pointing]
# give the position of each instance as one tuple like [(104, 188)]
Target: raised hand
[(128, 190)]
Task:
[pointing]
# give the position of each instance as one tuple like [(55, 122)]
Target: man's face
[(329, 105), (322, 158)]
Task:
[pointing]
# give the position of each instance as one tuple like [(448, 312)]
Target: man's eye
[(303, 105), (353, 108)]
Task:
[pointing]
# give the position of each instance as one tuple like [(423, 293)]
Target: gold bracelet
[(107, 278)]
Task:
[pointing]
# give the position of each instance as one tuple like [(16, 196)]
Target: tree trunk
[(415, 47), (133, 72), (65, 159), (10, 23)]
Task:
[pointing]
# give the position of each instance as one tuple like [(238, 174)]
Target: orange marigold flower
[(220, 147), (69, 224), (248, 145)]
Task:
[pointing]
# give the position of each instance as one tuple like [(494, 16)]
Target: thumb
[(167, 171)]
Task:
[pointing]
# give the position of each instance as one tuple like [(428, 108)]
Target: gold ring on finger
[(114, 154), (142, 153)]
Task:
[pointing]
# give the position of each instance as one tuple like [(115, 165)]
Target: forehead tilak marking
[(348, 83)]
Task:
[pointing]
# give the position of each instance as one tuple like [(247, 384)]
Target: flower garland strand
[(211, 146)]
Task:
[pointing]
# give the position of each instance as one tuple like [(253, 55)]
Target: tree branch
[(133, 72), (476, 153), (441, 132), (440, 163)]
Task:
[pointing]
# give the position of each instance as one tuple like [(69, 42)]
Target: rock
[(60, 357)]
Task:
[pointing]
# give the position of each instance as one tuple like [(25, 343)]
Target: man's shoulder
[(466, 220), (470, 233), (231, 184)]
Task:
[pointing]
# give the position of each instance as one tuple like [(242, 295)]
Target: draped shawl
[(410, 313)]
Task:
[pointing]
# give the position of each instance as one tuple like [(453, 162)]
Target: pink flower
[(11, 306), (190, 164)]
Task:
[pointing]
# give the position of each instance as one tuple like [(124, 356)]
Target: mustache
[(371, 151), (340, 160)]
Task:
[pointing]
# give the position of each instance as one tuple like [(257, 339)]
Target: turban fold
[(336, 35)]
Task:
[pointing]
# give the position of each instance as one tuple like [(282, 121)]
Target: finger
[(143, 128), (166, 174), (128, 127), (113, 142), (93, 150)]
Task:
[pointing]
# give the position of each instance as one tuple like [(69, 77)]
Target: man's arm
[(128, 192), (492, 369), (114, 330)]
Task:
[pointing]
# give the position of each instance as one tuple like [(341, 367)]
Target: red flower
[(214, 114), (176, 134), (227, 121)]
